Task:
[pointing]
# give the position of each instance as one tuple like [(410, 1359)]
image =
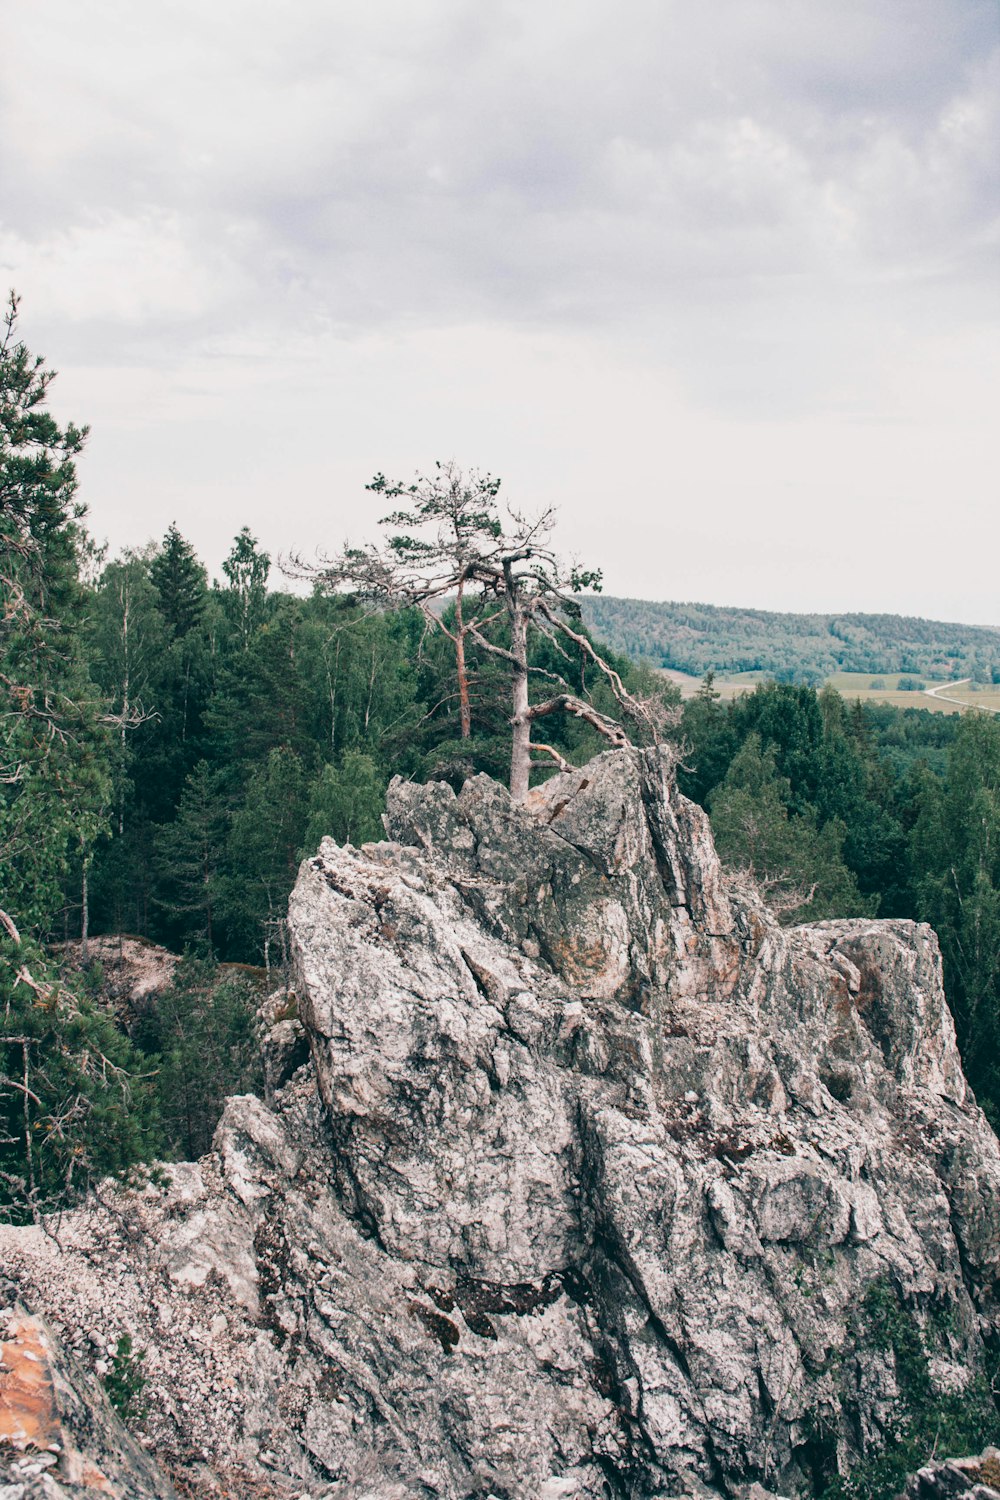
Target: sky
[(719, 280)]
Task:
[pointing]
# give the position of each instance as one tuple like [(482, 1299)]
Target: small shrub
[(928, 1423), (125, 1382)]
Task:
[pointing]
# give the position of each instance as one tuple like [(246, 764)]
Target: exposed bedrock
[(584, 1186)]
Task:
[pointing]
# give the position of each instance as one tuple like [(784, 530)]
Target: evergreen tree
[(345, 803), (77, 1102), (54, 781), (798, 865), (72, 1108), (201, 1034), (709, 741), (189, 855), (188, 610), (262, 856), (789, 719), (181, 582), (262, 700), (451, 544), (955, 859)]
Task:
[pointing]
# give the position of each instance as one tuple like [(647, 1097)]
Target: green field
[(883, 687), (729, 685), (978, 697), (880, 688)]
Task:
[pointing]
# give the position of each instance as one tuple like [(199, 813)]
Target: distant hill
[(699, 638)]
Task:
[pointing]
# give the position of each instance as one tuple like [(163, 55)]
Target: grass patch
[(928, 1423)]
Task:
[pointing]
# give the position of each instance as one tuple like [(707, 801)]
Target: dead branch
[(558, 760), (570, 704)]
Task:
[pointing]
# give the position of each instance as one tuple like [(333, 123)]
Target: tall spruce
[(54, 783), (181, 582), (72, 1106)]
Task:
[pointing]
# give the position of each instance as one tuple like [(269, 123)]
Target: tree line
[(699, 638)]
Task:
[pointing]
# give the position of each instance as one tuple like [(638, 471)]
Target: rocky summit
[(586, 1186)]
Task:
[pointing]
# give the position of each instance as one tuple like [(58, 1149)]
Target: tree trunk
[(206, 880), (85, 909), (520, 758), (465, 712)]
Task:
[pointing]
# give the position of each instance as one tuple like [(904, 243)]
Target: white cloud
[(537, 236), (133, 271)]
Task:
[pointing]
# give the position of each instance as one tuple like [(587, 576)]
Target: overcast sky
[(718, 277)]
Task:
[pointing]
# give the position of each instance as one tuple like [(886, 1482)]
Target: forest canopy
[(700, 638)]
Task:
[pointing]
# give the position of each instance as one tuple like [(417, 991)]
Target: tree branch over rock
[(449, 544)]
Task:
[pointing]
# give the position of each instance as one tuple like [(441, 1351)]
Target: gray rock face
[(584, 1187)]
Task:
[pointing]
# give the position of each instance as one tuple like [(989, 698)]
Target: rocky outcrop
[(586, 1189), (133, 970), (977, 1478)]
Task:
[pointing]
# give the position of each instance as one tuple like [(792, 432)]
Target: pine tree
[(202, 1036), (72, 1106), (449, 542), (181, 582), (54, 783), (262, 854), (799, 866), (189, 855), (955, 859)]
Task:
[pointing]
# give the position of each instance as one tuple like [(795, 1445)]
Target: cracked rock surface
[(582, 1188)]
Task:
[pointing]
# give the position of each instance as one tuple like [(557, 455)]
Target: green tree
[(128, 639), (188, 611), (73, 1104), (856, 788), (201, 1034), (447, 522), (247, 569), (799, 866), (181, 583), (190, 852), (76, 1100), (345, 803), (362, 672), (262, 699), (53, 745), (788, 718), (955, 862), (262, 854), (709, 741)]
